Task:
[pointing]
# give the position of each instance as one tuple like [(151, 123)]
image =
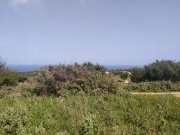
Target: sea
[(24, 68), (29, 68)]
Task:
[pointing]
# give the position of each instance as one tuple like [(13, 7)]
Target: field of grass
[(85, 100), (155, 86), (110, 114)]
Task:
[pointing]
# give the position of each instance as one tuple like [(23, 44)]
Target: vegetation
[(93, 115), (121, 74), (158, 86), (2, 65), (137, 74), (12, 78), (86, 100), (87, 78), (158, 71)]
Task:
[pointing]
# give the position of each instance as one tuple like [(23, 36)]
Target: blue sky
[(110, 32)]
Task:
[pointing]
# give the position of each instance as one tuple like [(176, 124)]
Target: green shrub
[(13, 122), (89, 125), (122, 74), (137, 74), (12, 78), (24, 89), (163, 70), (5, 90)]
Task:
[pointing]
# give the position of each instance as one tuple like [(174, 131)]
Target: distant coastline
[(29, 68), (24, 68)]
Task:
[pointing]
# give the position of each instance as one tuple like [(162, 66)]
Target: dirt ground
[(176, 94)]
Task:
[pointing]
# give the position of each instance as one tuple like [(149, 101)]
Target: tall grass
[(90, 115)]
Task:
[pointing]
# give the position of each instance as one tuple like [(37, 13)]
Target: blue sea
[(28, 68), (24, 68)]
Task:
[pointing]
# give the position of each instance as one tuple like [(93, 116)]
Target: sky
[(108, 32)]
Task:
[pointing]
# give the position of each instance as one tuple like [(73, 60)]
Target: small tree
[(137, 74)]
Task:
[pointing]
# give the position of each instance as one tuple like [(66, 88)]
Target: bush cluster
[(158, 71), (12, 78), (87, 78)]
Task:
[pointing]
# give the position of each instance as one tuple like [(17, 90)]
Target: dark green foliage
[(137, 74), (157, 71), (87, 78), (122, 74), (158, 86), (96, 67), (11, 78), (162, 70)]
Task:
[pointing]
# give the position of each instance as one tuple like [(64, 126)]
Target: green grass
[(90, 115), (157, 86)]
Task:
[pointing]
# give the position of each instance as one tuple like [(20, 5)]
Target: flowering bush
[(74, 78)]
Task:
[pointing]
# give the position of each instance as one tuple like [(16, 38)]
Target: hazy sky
[(115, 32)]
